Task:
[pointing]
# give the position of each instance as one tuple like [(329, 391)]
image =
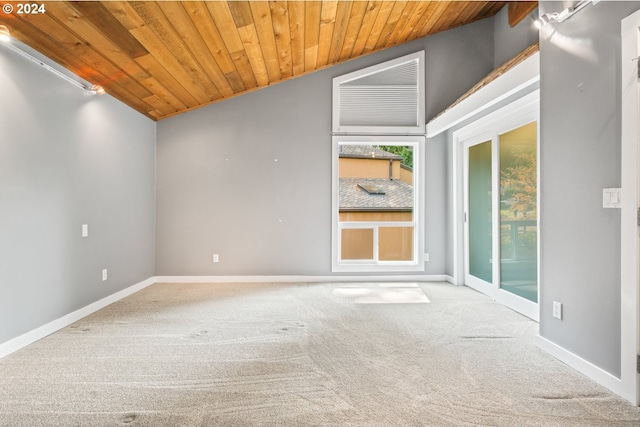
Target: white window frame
[(417, 263), (419, 128)]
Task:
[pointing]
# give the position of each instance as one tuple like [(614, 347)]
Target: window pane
[(480, 245), (518, 212), (396, 243), (382, 99), (376, 185), (357, 243), (376, 180)]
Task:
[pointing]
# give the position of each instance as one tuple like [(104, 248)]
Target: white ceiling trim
[(517, 79)]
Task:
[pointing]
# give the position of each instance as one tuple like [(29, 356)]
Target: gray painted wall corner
[(221, 190), (66, 160), (580, 155)]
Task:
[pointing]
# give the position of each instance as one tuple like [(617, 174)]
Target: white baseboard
[(299, 279), (581, 365), (30, 337)]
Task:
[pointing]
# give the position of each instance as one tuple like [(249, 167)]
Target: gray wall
[(509, 41), (580, 155), (65, 160), (220, 190)]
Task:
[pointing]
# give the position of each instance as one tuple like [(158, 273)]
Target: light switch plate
[(611, 198), (557, 310)]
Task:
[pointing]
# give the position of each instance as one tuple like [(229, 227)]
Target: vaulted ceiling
[(164, 58)]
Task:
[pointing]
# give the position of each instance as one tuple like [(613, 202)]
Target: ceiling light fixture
[(543, 20), (97, 90), (5, 38), (563, 15)]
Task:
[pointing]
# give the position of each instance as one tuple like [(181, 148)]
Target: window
[(387, 98), (377, 211), (376, 205)]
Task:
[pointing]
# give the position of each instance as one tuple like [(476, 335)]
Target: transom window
[(387, 98)]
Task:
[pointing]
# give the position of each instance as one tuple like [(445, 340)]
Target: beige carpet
[(296, 355)]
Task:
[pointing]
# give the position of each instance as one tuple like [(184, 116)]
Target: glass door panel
[(518, 212), (480, 211)]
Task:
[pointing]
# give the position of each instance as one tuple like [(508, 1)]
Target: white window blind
[(386, 98)]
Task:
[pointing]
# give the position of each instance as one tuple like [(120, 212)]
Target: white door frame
[(630, 239), (524, 110)]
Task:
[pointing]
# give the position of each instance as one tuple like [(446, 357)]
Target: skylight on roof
[(372, 189)]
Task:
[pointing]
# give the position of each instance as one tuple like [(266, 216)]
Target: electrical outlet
[(426, 257), (104, 275), (85, 230), (216, 258), (557, 310)]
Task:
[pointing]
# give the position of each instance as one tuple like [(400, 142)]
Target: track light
[(5, 38), (563, 15), (543, 20), (97, 90)]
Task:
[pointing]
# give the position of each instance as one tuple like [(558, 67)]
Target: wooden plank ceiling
[(164, 58)]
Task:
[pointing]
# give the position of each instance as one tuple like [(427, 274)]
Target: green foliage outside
[(519, 184), (518, 202), (401, 150)]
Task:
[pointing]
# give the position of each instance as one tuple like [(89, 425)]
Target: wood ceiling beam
[(518, 10)]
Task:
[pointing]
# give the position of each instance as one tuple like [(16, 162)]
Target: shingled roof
[(398, 195), (366, 152)]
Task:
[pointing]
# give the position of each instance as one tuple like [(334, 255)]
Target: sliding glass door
[(500, 215)]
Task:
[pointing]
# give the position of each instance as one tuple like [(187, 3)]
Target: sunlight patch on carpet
[(382, 295)]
